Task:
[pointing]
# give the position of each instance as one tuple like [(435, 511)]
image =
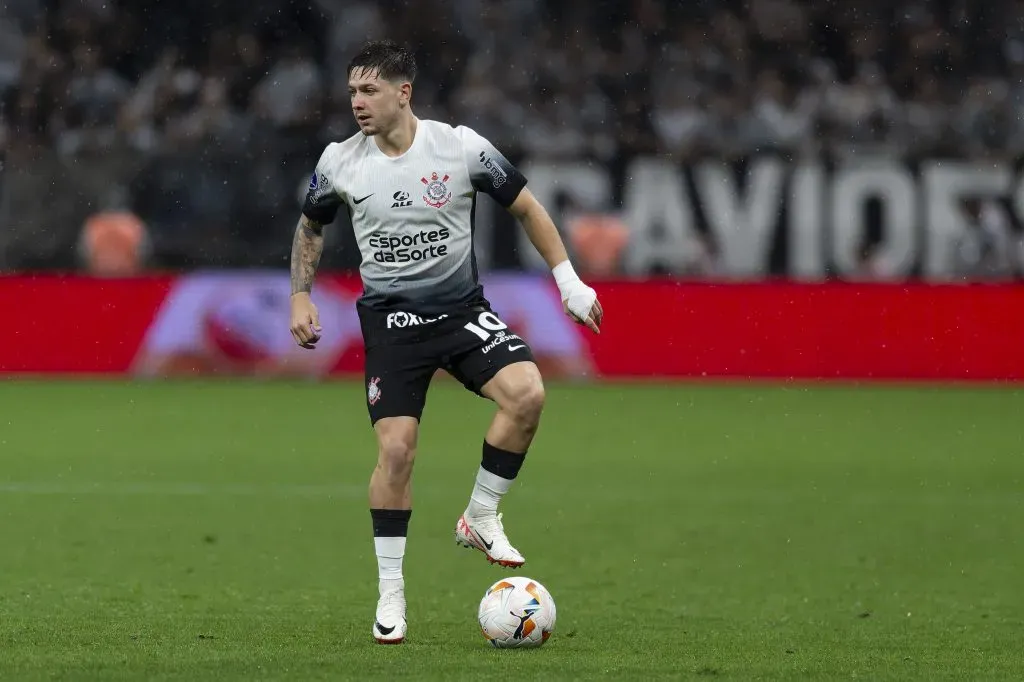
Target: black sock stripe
[(390, 523), (502, 462)]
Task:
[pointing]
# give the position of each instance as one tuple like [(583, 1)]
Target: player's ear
[(405, 93)]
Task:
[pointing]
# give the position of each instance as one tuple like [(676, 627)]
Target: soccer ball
[(517, 613)]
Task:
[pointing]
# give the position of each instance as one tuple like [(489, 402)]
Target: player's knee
[(527, 403), (396, 457)]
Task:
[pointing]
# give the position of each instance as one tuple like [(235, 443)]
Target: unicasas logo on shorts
[(408, 248), (502, 338)]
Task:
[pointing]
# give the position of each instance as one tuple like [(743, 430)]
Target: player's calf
[(519, 393), (524, 407), (393, 473), (396, 452)]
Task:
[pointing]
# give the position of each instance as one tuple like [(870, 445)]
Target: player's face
[(376, 102)]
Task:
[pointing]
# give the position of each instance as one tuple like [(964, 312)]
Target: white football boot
[(486, 533), (390, 625)]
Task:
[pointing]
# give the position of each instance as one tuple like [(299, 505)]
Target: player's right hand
[(305, 321)]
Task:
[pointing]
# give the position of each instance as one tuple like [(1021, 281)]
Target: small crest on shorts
[(437, 192), (373, 391)]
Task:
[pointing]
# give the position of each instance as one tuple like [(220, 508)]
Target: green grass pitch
[(203, 531)]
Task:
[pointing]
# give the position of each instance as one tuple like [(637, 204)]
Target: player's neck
[(397, 141)]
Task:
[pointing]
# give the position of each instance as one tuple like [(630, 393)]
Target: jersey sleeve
[(322, 198), (489, 171)]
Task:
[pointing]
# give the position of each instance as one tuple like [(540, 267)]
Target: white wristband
[(564, 274)]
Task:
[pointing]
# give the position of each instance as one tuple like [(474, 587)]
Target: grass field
[(220, 532)]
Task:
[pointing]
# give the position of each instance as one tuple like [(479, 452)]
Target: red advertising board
[(236, 323), (849, 331)]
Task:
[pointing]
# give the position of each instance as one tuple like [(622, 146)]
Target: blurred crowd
[(203, 117)]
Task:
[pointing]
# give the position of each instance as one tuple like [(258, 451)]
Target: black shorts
[(404, 350)]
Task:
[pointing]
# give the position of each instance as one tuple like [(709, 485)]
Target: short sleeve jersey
[(413, 215)]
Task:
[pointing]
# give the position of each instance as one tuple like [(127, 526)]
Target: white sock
[(390, 552), (487, 492)]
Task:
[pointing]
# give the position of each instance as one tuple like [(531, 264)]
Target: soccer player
[(410, 186)]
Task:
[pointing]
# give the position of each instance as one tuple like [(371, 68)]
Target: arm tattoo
[(306, 249)]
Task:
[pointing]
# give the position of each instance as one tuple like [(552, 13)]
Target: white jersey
[(413, 215)]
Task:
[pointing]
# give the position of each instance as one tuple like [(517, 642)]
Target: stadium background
[(699, 142), (770, 192)]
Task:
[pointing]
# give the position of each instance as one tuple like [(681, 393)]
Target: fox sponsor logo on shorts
[(401, 320), (408, 248)]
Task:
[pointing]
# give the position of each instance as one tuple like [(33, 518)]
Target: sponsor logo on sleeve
[(319, 185), (494, 169)]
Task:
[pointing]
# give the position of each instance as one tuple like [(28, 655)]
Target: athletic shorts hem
[(376, 417)]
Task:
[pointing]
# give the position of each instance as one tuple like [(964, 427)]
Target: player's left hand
[(578, 300), (593, 319), (581, 304)]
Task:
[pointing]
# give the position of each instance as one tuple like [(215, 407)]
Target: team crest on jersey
[(438, 193), (373, 391)]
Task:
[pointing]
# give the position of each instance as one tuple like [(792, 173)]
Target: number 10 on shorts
[(485, 324)]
